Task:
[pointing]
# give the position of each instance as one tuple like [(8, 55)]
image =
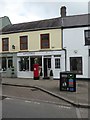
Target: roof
[(31, 26), (76, 21), (65, 22)]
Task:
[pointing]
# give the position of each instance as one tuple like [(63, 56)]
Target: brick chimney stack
[(63, 11)]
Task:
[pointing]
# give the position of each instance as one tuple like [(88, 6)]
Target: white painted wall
[(88, 63), (89, 67), (73, 40)]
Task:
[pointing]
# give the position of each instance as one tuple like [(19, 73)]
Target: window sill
[(45, 49)]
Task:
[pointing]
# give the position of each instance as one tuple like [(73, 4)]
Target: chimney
[(63, 11)]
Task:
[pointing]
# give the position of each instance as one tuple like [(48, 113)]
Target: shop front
[(7, 63), (48, 61)]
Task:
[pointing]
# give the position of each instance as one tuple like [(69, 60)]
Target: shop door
[(47, 66), (57, 68)]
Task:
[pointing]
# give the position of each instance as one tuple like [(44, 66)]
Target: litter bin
[(67, 81)]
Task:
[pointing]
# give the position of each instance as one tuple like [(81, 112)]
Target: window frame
[(89, 52), (5, 44), (24, 63), (57, 65), (25, 42), (77, 71), (10, 62), (87, 38), (45, 41), (4, 63)]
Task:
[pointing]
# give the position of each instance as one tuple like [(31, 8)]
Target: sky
[(20, 11)]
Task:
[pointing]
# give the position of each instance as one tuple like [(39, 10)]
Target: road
[(15, 108), (33, 103)]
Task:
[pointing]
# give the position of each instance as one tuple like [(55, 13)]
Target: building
[(76, 41), (23, 43), (4, 21), (58, 44)]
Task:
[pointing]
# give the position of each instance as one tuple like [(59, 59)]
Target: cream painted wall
[(34, 40)]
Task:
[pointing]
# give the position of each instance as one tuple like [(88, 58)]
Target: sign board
[(67, 81)]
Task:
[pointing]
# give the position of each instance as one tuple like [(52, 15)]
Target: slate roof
[(65, 22), (76, 21), (31, 26)]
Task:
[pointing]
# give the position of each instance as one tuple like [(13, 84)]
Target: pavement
[(52, 87)]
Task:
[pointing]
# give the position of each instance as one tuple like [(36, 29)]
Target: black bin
[(68, 81)]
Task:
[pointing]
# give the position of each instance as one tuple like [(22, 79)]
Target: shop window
[(5, 44), (10, 62), (24, 64), (32, 61), (4, 63), (23, 42), (87, 37), (76, 65), (57, 63), (45, 41), (7, 62)]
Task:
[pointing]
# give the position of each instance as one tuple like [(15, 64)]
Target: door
[(57, 67), (47, 67)]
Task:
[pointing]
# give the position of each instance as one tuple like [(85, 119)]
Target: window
[(87, 37), (44, 41), (5, 44), (4, 63), (7, 62), (24, 64), (89, 52), (10, 62), (31, 63), (23, 42), (49, 62), (57, 63), (76, 65)]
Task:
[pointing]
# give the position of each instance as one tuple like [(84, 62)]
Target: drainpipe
[(64, 48), (65, 58)]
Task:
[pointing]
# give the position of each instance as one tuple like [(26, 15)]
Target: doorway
[(47, 67)]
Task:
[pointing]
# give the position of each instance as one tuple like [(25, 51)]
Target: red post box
[(36, 71)]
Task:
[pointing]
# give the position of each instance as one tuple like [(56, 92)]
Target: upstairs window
[(23, 42), (5, 44), (87, 37), (45, 41)]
